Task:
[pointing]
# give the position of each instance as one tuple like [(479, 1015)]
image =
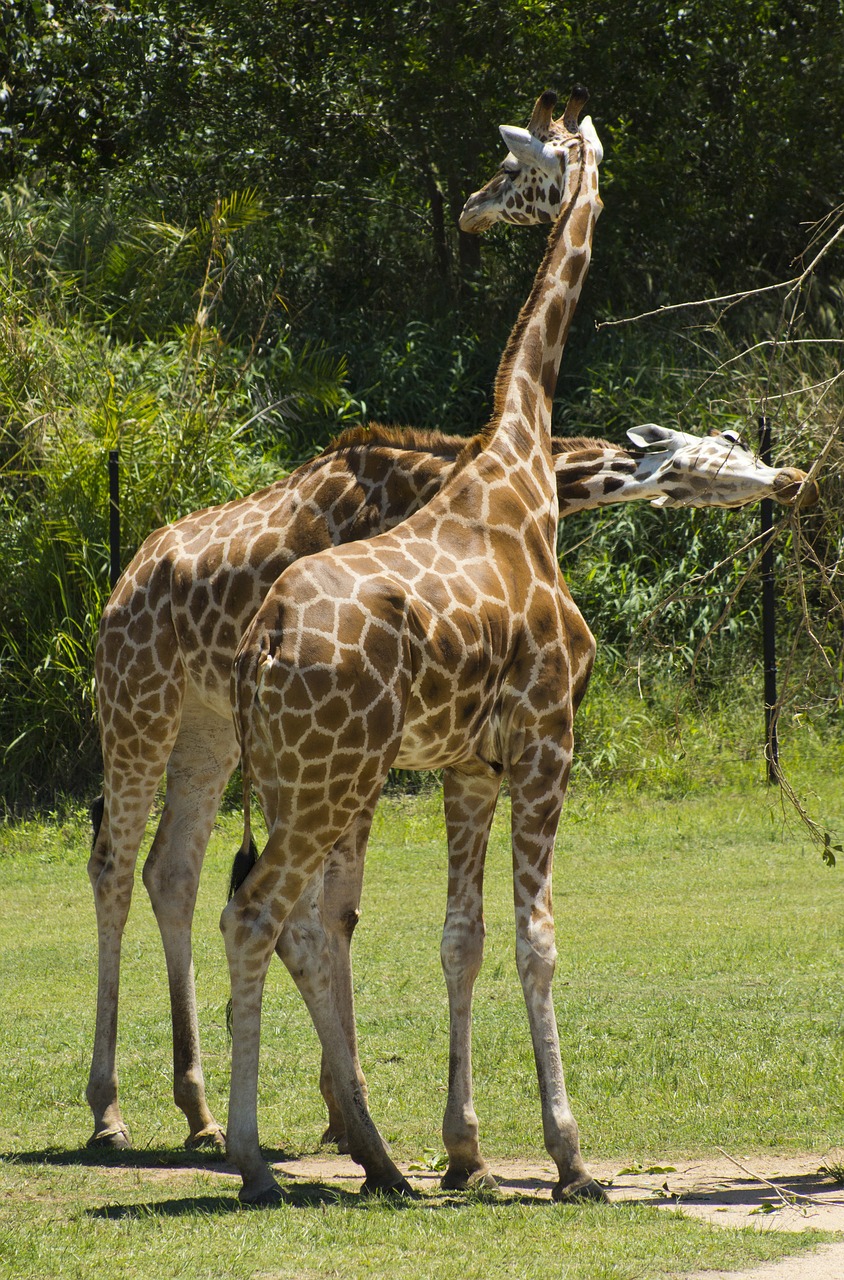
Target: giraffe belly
[(436, 738)]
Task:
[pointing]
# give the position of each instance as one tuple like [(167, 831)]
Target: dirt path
[(784, 1193)]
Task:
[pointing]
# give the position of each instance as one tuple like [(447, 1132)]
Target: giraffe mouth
[(793, 488)]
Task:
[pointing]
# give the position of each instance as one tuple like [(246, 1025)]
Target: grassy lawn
[(698, 994)]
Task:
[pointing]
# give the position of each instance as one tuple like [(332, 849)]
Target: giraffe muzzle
[(794, 489)]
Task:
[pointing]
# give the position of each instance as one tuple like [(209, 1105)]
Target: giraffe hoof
[(116, 1139), (210, 1139), (590, 1190), (463, 1180), (267, 1198), (398, 1190)]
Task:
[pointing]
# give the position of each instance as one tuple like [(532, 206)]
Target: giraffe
[(166, 644), (418, 650), (441, 643)]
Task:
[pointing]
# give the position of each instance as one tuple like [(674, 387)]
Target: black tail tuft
[(96, 812), (244, 861)]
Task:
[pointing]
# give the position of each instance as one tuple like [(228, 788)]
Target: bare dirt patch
[(781, 1193), (771, 1193)]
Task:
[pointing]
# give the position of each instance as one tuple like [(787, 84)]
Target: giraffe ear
[(529, 150), (650, 434), (590, 133)]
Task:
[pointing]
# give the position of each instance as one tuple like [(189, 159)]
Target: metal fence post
[(769, 641)]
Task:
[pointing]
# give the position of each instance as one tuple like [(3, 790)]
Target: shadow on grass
[(306, 1195), (134, 1158)]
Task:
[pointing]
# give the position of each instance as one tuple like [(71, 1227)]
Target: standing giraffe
[(167, 641), (444, 643), (440, 644)]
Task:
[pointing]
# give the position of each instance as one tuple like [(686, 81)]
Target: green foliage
[(227, 231), (197, 415)]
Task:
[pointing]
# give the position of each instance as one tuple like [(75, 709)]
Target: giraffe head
[(530, 183), (711, 471)]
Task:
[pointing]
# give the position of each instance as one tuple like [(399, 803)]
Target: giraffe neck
[(527, 375), (593, 473)]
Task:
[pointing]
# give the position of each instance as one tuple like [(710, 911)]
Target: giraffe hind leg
[(200, 764), (119, 823), (342, 886)]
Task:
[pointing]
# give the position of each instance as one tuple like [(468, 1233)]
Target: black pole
[(114, 515), (769, 640)]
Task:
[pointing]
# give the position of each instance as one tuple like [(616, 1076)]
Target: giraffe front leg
[(469, 806), (535, 815)]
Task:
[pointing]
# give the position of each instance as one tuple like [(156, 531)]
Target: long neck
[(527, 375), (593, 473)]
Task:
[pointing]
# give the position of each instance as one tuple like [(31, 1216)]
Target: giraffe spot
[(555, 313), (363, 690), (316, 650), (432, 687), (140, 630), (578, 228), (466, 710), (263, 547), (227, 637), (577, 269), (316, 744), (549, 379), (533, 349), (298, 695), (331, 715)]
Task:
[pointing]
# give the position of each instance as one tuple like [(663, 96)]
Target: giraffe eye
[(511, 166)]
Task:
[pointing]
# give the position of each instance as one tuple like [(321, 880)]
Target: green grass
[(698, 995)]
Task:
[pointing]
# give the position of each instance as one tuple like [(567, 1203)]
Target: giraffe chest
[(474, 702)]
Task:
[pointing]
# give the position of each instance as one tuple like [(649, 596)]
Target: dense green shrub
[(227, 231), (197, 418)]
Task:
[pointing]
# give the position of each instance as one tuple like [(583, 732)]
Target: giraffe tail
[(244, 861), (96, 812), (247, 854)]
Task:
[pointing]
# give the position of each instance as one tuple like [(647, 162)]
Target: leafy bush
[(198, 418)]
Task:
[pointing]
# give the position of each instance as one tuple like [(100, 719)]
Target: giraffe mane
[(440, 444), (411, 439), (574, 444), (505, 368)]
